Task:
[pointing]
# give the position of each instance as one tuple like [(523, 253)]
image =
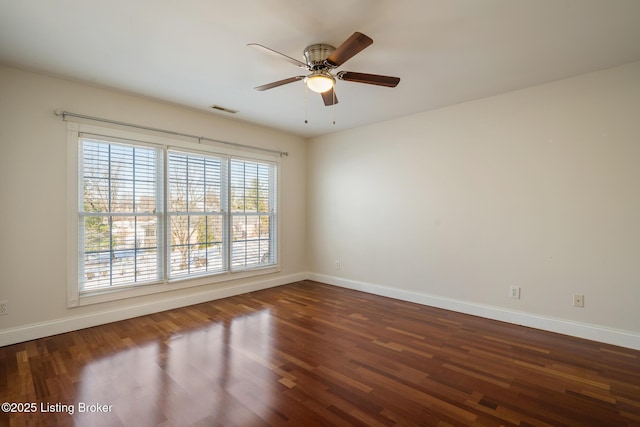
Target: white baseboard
[(567, 327), (72, 323), (581, 330)]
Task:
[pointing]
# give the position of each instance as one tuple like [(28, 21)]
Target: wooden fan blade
[(329, 97), (277, 54), (372, 79), (347, 50), (279, 83)]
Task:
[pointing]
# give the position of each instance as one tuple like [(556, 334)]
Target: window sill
[(125, 292)]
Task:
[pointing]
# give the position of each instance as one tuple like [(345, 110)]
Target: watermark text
[(56, 407)]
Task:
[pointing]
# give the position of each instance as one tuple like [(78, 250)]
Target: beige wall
[(537, 188), (33, 199)]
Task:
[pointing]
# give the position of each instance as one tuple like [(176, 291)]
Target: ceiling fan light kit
[(321, 59), (320, 81)]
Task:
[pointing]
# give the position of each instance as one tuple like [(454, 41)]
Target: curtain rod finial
[(58, 112)]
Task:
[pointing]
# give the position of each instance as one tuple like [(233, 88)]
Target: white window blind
[(148, 214), (197, 214), (253, 210), (120, 214)]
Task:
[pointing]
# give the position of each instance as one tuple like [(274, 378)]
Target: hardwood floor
[(309, 354)]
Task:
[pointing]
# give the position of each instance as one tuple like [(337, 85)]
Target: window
[(197, 214), (120, 213), (252, 213), (157, 214)]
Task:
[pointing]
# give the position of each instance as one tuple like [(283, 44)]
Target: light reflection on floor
[(185, 378)]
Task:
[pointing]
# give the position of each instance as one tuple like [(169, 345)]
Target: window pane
[(179, 234), (97, 252), (120, 250), (97, 234), (196, 244), (251, 186), (147, 265), (210, 239), (252, 241), (97, 270), (194, 183), (95, 165), (121, 176)]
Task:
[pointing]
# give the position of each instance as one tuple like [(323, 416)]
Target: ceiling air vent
[(223, 109)]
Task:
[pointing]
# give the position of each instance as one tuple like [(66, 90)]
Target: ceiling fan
[(321, 59)]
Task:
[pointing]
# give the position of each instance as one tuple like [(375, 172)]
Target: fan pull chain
[(333, 107), (306, 103)]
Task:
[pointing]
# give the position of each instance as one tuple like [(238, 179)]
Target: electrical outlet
[(514, 292), (337, 264), (578, 300), (4, 308)]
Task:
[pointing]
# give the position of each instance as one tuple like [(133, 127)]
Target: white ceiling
[(194, 52)]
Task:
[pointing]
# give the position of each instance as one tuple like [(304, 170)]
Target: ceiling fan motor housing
[(316, 54)]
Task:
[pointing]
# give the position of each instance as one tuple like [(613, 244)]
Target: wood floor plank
[(310, 354)]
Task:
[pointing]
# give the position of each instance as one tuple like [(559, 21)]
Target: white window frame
[(77, 298)]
